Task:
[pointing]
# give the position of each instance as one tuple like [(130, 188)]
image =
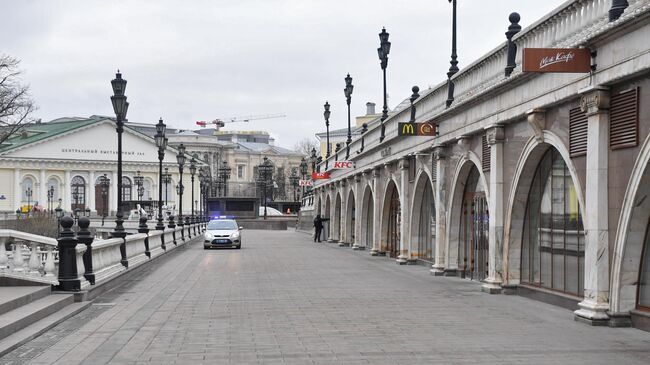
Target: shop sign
[(416, 129), (320, 175), (342, 165), (306, 183), (574, 60)]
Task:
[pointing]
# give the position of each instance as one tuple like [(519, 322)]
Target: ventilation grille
[(434, 169), (577, 132), (624, 120), (485, 147)]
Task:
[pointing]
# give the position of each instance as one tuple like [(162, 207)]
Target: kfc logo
[(343, 165)]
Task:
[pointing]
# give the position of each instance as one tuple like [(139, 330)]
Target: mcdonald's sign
[(416, 129)]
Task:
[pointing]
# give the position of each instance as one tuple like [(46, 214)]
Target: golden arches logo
[(407, 129)]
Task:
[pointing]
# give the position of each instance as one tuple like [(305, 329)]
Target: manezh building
[(537, 183)]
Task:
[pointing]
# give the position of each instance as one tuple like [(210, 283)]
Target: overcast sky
[(200, 60)]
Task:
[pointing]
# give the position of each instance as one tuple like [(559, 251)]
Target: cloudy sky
[(205, 59)]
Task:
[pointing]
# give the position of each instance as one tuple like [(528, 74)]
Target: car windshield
[(222, 225)]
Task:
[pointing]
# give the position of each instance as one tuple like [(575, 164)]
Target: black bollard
[(85, 237), (68, 275), (172, 226), (143, 228)]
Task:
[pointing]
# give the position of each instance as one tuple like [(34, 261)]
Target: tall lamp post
[(50, 199), (303, 173), (453, 69), (192, 172), (224, 174), (348, 99), (293, 180), (104, 183), (161, 143), (180, 158), (266, 172), (383, 51), (120, 107)]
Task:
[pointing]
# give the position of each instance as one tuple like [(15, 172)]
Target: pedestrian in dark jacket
[(318, 226)]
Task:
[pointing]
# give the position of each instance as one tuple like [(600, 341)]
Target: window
[(78, 192), (53, 184), (28, 184), (240, 172), (126, 188), (553, 237)]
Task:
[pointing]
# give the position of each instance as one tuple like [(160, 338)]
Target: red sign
[(306, 183), (343, 165), (320, 175), (577, 60)]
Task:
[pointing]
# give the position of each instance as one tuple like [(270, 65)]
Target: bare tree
[(305, 145), (15, 102)]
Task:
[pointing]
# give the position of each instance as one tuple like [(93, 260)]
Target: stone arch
[(390, 220), (349, 217), (56, 182), (630, 236), (422, 217), (367, 218), (525, 169), (28, 181), (454, 207), (336, 218)]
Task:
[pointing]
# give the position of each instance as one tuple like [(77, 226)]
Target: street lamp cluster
[(265, 179)]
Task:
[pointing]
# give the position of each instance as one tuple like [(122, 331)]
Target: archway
[(336, 220), (53, 193), (423, 221), (390, 221), (102, 195), (367, 219), (126, 189), (350, 218)]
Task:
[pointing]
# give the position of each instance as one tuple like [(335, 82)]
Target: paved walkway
[(282, 299)]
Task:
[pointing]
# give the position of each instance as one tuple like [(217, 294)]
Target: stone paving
[(283, 299)]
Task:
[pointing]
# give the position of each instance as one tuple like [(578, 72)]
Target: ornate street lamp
[(167, 179), (453, 69), (104, 183), (161, 143), (28, 194), (265, 170), (303, 172), (50, 199), (348, 99), (192, 172), (180, 158), (120, 107), (383, 51), (326, 114), (293, 180), (224, 175), (59, 214), (313, 158), (139, 185)]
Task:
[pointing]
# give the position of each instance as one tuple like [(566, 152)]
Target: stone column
[(91, 190), (18, 191), (344, 240), (358, 210), (595, 103), (376, 195), (405, 222), (330, 223), (67, 192), (42, 190), (438, 267), (495, 138)]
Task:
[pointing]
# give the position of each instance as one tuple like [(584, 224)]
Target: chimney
[(370, 108)]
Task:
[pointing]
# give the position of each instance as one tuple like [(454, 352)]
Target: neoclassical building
[(71, 155), (536, 184)]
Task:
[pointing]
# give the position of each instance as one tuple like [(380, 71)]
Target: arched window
[(147, 190), (553, 238), (78, 192), (27, 185), (126, 188), (53, 185)]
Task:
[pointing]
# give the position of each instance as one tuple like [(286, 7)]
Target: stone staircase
[(28, 311)]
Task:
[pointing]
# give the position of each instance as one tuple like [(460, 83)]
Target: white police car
[(222, 233)]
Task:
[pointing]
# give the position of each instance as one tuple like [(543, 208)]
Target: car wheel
[(238, 247), (205, 247)]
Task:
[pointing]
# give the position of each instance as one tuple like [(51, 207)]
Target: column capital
[(404, 163), (357, 178), (439, 152), (376, 172), (495, 134), (595, 100), (537, 121)]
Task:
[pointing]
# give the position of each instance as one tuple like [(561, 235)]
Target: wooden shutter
[(486, 152), (577, 132), (624, 119)]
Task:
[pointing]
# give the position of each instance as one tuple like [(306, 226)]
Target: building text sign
[(320, 175), (306, 183), (416, 129), (342, 165), (576, 60)]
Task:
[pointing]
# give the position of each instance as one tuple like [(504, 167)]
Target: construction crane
[(221, 122)]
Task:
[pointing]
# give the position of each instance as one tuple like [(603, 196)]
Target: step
[(36, 329), (12, 297), (27, 314)]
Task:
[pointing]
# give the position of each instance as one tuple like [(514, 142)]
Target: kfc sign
[(343, 165), (306, 183), (320, 175)]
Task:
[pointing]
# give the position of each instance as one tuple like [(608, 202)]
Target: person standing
[(318, 226)]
